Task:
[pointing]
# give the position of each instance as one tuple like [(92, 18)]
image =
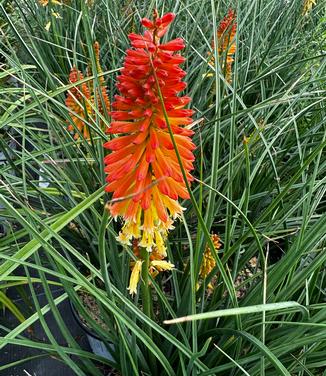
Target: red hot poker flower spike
[(226, 33), (143, 170), (78, 100), (226, 42), (83, 99)]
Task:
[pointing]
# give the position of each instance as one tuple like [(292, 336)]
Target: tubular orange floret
[(84, 98), (144, 140)]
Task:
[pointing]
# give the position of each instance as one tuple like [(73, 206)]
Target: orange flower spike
[(82, 99), (226, 33), (150, 173), (78, 100), (226, 42)]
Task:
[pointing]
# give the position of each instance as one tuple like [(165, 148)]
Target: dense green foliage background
[(260, 184)]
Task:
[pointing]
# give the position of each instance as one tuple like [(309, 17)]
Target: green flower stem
[(146, 297), (145, 289)]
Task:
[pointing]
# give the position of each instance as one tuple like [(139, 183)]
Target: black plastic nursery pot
[(97, 345)]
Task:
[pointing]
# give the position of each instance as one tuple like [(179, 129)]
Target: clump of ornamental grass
[(254, 306)]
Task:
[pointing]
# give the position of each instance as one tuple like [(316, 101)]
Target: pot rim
[(81, 324)]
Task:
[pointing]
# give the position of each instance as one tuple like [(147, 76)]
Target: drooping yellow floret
[(157, 264), (134, 278)]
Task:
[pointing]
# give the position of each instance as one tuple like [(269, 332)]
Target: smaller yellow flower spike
[(208, 262), (44, 3), (134, 278), (307, 6)]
